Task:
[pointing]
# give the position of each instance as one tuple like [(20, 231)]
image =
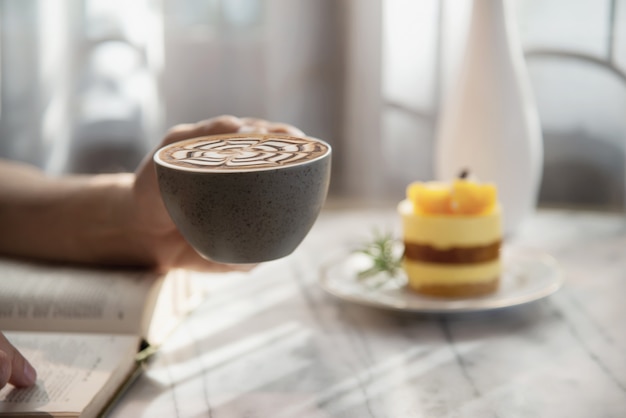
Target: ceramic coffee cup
[(244, 198)]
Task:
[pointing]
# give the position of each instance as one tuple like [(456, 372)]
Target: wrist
[(112, 228)]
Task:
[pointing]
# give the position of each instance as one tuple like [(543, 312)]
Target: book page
[(40, 297), (76, 372), (179, 294)]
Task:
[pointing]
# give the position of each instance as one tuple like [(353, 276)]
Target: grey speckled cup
[(244, 198)]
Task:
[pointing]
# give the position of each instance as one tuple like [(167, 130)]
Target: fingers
[(264, 126), (283, 128), (219, 125), (227, 124), (5, 368), (213, 267), (191, 260), (14, 368)]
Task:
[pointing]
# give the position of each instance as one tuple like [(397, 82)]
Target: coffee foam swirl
[(242, 152)]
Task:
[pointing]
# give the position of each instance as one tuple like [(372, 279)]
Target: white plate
[(528, 275)]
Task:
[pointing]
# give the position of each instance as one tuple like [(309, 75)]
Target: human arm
[(108, 219)]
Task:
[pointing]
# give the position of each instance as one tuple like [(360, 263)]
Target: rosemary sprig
[(381, 250)]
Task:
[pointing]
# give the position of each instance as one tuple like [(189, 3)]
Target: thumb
[(14, 368)]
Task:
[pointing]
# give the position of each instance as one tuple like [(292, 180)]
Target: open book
[(86, 331)]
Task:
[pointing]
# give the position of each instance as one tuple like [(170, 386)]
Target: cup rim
[(157, 158)]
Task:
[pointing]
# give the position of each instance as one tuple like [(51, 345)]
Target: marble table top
[(272, 343)]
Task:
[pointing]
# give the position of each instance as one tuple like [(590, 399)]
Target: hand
[(107, 219), (14, 368), (160, 238)]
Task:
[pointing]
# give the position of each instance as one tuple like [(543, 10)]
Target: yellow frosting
[(445, 231), (420, 273), (459, 197)]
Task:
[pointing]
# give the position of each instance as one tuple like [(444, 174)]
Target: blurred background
[(90, 86)]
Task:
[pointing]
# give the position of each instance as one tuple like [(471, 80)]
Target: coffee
[(242, 152), (244, 198)]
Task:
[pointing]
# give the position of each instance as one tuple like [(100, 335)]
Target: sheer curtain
[(91, 85), (278, 59), (78, 86), (35, 111)]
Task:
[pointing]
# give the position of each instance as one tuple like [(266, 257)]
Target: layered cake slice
[(452, 235)]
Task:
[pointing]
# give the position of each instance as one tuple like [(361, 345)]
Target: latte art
[(241, 152)]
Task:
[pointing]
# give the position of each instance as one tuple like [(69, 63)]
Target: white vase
[(489, 123)]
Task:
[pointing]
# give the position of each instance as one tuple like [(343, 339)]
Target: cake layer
[(452, 255), (445, 231), (420, 273)]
